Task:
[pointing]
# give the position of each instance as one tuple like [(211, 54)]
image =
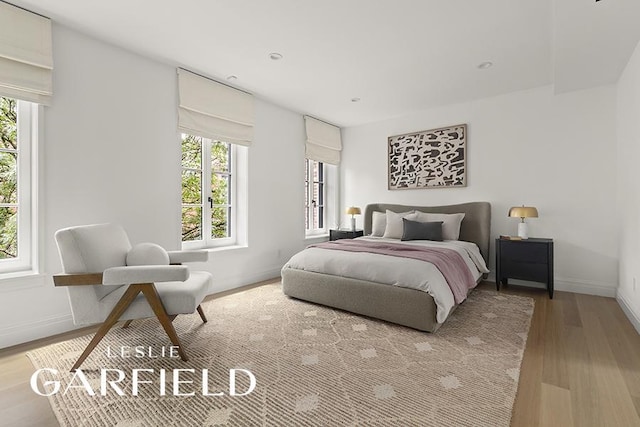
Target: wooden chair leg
[(202, 316), (155, 302), (126, 299), (126, 324)]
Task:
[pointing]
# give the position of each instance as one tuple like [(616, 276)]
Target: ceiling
[(397, 56)]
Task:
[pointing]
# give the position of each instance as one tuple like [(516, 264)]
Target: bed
[(397, 304)]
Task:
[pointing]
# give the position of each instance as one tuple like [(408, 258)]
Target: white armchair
[(103, 288)]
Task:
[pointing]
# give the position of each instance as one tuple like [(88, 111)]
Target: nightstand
[(527, 259), (345, 234)]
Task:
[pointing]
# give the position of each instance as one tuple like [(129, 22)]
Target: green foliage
[(8, 178), (219, 222), (191, 187), (8, 124), (191, 151), (220, 156), (220, 189), (191, 224)]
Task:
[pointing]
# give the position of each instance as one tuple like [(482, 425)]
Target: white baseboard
[(634, 318), (577, 286), (41, 328), (228, 283), (580, 286)]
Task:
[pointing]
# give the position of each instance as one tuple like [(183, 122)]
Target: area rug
[(313, 366)]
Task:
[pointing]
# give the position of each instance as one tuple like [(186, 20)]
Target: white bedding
[(391, 270)]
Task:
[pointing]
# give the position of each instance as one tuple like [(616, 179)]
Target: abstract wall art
[(428, 159)]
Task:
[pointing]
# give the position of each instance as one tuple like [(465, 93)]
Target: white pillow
[(147, 254), (394, 227), (378, 223), (450, 223)]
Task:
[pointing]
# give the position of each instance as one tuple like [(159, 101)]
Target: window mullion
[(309, 186), (191, 170), (206, 190), (321, 195), (312, 206), (310, 192)]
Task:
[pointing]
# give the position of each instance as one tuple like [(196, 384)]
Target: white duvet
[(392, 270)]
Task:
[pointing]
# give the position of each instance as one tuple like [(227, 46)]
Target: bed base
[(408, 307)]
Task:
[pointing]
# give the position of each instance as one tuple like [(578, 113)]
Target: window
[(208, 185), (16, 192), (315, 196)]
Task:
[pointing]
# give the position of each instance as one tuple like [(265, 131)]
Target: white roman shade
[(213, 110), (26, 61), (323, 141)]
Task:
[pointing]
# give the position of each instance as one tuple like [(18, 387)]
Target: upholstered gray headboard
[(475, 227)]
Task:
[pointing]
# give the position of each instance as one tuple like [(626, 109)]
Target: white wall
[(111, 153), (557, 153), (628, 218)]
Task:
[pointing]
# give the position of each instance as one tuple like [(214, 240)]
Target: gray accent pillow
[(415, 230)]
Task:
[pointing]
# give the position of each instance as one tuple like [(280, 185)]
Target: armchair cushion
[(177, 297), (147, 254), (144, 274)]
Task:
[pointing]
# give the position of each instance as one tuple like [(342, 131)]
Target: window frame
[(322, 207), (27, 179), (207, 172)]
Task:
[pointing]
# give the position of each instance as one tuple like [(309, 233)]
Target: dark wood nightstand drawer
[(529, 252), (345, 234), (524, 270)]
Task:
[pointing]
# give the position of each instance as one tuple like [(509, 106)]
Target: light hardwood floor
[(581, 367)]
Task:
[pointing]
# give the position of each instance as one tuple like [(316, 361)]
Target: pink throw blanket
[(449, 262)]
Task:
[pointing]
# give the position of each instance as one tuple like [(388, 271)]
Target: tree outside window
[(8, 178)]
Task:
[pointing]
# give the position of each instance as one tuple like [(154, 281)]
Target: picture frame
[(434, 158)]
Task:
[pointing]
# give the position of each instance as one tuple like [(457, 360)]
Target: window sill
[(225, 248), (21, 280), (316, 237)]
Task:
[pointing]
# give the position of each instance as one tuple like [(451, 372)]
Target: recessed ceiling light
[(232, 78), (275, 56), (485, 65), (355, 99)]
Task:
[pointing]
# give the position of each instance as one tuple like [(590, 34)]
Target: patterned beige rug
[(314, 366)]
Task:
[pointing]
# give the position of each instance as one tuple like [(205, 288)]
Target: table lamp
[(523, 212), (353, 211)]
